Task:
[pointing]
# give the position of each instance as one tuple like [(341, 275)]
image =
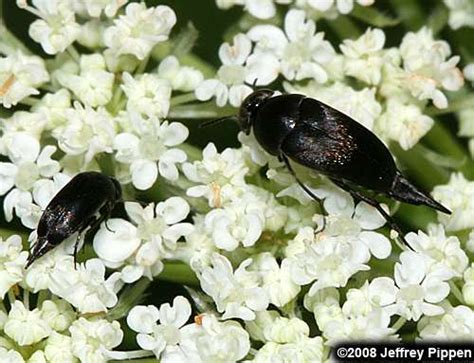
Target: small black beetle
[(86, 201), (326, 140)]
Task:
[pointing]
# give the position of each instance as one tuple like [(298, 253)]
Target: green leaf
[(373, 16)]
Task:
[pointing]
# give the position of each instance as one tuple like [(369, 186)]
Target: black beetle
[(86, 201), (315, 135)]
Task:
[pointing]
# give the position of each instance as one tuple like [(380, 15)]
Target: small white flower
[(424, 60), (57, 28), (88, 132), (365, 315), (217, 173), (238, 293), (52, 109), (12, 261), (20, 76), (461, 13), (231, 76), (198, 248), (91, 340), (149, 149), (218, 341), (168, 339), (93, 85), (30, 167), (458, 197), (148, 95), (58, 314), (276, 278), (240, 222), (25, 327), (139, 30), (443, 251), (142, 246), (456, 324), (419, 289), (299, 52), (403, 123), (181, 78), (85, 287), (270, 326), (331, 261), (363, 56), (58, 349)]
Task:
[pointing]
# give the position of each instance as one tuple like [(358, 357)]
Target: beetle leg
[(302, 185), (361, 197), (284, 158), (78, 240)]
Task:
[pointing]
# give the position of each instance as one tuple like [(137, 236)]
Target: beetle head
[(249, 107)]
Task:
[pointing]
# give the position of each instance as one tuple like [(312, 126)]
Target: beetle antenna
[(216, 121)]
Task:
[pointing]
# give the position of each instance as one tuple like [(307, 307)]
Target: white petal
[(378, 244), (262, 9), (175, 134), (177, 315), (142, 319), (368, 217), (119, 243), (144, 174), (173, 210)]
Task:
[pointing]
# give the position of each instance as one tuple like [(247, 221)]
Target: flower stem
[(129, 297), (180, 273), (184, 98), (399, 323), (207, 110), (456, 292)]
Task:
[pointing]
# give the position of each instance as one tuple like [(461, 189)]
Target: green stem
[(193, 152), (129, 297), (29, 101), (180, 273), (456, 292), (399, 323), (73, 53), (11, 297), (184, 98), (142, 66), (207, 110)]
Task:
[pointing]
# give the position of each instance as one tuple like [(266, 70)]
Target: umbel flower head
[(214, 252)]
